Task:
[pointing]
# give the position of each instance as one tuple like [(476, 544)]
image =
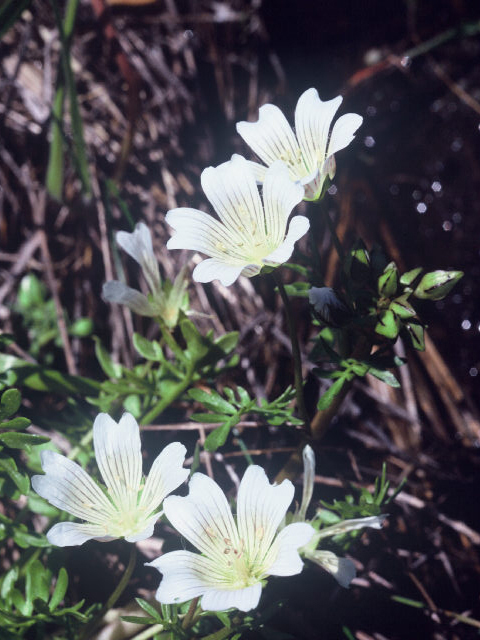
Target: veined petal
[(232, 190), (271, 137), (167, 473), (342, 569), (375, 522), (284, 551), (217, 269), (146, 532), (298, 227), (185, 576), (119, 293), (67, 486), (258, 170), (118, 455), (138, 245), (242, 599), (313, 119), (68, 534), (280, 196), (199, 231), (203, 517), (260, 509), (343, 132)]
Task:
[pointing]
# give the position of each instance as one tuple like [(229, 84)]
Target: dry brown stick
[(62, 326), (24, 254)]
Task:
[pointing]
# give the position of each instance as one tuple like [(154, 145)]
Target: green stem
[(167, 399), (188, 620), (335, 238), (170, 340), (219, 635), (149, 633), (119, 589), (297, 358), (87, 438)]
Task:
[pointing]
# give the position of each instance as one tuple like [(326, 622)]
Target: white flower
[(343, 569), (126, 508), (248, 235), (163, 301), (236, 555), (310, 153)]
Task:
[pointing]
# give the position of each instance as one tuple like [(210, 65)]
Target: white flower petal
[(308, 479), (185, 576), (375, 522), (68, 534), (343, 132), (167, 473), (119, 458), (271, 137), (298, 227), (145, 533), (242, 599), (258, 170), (138, 245), (119, 293), (232, 190), (260, 509), (284, 551), (67, 486), (342, 569), (217, 269), (199, 231), (312, 124), (280, 196), (203, 517)]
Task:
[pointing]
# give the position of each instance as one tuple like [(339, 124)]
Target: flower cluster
[(236, 554), (250, 231)]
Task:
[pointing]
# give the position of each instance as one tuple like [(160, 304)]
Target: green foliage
[(39, 318), (362, 502), (229, 410)]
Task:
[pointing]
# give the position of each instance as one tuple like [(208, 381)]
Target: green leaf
[(9, 403), (16, 423), (143, 620), (17, 440), (110, 368), (37, 583), (437, 284), (25, 540), (148, 608), (81, 328), (410, 603), (60, 589), (388, 324), (212, 401), (208, 417), (21, 481), (8, 581), (408, 277), (298, 289), (388, 281), (54, 180), (228, 341), (385, 376), (327, 398), (149, 349), (197, 345), (218, 437)]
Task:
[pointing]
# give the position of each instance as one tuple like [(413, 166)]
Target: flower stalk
[(297, 357)]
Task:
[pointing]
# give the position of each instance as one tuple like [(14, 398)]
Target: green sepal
[(388, 324), (437, 284), (408, 277), (388, 281), (417, 335), (402, 308)]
